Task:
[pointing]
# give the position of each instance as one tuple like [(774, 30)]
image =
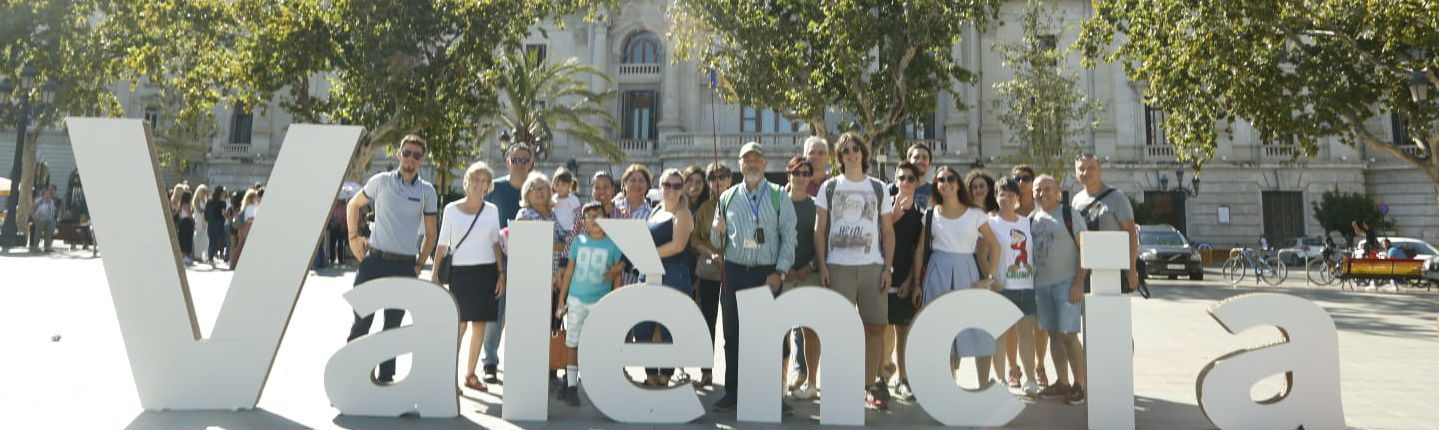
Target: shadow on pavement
[(200, 420), (1376, 313)]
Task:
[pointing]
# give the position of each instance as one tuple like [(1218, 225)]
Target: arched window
[(642, 48)]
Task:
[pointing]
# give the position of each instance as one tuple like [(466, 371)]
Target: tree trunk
[(26, 202), (1427, 166)]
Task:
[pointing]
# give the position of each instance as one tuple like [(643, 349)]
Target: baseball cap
[(751, 147)]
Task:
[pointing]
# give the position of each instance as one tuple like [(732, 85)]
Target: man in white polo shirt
[(402, 202)]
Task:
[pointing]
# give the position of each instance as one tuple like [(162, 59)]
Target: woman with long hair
[(249, 207), (200, 238), (670, 226), (981, 187), (470, 235), (695, 190), (951, 233), (708, 264), (185, 224)]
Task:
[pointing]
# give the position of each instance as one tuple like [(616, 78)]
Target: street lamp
[(1418, 81), (1192, 191), (8, 231)]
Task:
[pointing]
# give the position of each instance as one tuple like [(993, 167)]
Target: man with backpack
[(755, 226), (854, 247), (1059, 287), (1106, 209)]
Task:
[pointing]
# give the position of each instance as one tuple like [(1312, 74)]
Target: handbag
[(706, 268), (558, 351), (442, 269)]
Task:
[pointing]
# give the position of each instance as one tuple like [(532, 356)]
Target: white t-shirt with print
[(1017, 262), (854, 232)]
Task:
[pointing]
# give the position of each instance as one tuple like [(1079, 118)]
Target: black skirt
[(474, 291)]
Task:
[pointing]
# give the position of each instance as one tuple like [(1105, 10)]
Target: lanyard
[(755, 209)]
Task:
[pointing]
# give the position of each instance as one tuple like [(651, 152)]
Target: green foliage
[(1043, 106), (541, 98), (882, 63), (1298, 70), (1336, 210)]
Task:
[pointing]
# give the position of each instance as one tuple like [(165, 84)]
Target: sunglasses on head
[(906, 178), (412, 154), (673, 185), (519, 160), (801, 173), (950, 179)]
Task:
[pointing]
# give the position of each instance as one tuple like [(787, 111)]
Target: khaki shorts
[(861, 286)]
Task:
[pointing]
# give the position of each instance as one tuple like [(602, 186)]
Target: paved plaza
[(67, 367)]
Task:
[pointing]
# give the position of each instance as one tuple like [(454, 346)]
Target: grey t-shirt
[(1109, 214), (400, 209), (1056, 252), (804, 232)]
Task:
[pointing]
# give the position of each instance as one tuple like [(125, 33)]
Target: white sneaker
[(805, 392), (1030, 388)]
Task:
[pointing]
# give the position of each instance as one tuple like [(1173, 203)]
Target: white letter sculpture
[(930, 344), (764, 321), (1309, 355), (174, 368), (527, 319), (429, 389), (1109, 350), (604, 353)]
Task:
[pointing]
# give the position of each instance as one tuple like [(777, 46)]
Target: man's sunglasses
[(418, 155), (1024, 178), (906, 178)]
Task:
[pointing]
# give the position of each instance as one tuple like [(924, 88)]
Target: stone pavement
[(68, 369)]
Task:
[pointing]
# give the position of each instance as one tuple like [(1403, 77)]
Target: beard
[(753, 175)]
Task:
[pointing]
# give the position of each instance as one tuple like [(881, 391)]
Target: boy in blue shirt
[(589, 275)]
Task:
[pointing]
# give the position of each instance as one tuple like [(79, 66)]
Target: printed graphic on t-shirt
[(1020, 267), (590, 264), (853, 222)]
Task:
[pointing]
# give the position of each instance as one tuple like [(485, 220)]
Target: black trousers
[(216, 231), (737, 278), (374, 267), (186, 229), (336, 243), (709, 295)]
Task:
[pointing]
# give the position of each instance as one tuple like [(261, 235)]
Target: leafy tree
[(1336, 210), (879, 62), (541, 99), (1042, 105), (1145, 212), (1299, 70), (56, 40), (394, 67)]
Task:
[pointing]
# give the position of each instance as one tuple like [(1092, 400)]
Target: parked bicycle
[(1264, 266)]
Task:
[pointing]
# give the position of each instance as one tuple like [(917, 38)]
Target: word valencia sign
[(176, 369)]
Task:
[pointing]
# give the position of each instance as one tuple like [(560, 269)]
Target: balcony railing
[(1413, 151), (1159, 153), (730, 143), (639, 69), (235, 149), (637, 145), (1279, 152)]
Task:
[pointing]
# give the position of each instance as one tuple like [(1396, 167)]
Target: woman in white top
[(470, 236), (952, 231), (201, 242), (248, 207), (1017, 274)]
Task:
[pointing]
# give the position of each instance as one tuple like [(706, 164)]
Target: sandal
[(1014, 380), (704, 380), (472, 382), (1040, 376)]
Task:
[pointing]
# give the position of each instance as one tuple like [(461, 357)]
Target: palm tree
[(540, 99)]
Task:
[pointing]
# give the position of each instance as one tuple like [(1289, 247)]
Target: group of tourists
[(890, 246), (212, 225)]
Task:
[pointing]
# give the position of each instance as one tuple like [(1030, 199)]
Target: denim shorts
[(1023, 299), (1053, 309)]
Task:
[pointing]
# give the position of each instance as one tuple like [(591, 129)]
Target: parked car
[(1416, 249), (1166, 252), (1294, 251)]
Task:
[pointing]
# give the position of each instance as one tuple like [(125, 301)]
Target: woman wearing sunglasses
[(904, 281), (670, 227), (802, 174), (708, 264), (950, 236)]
